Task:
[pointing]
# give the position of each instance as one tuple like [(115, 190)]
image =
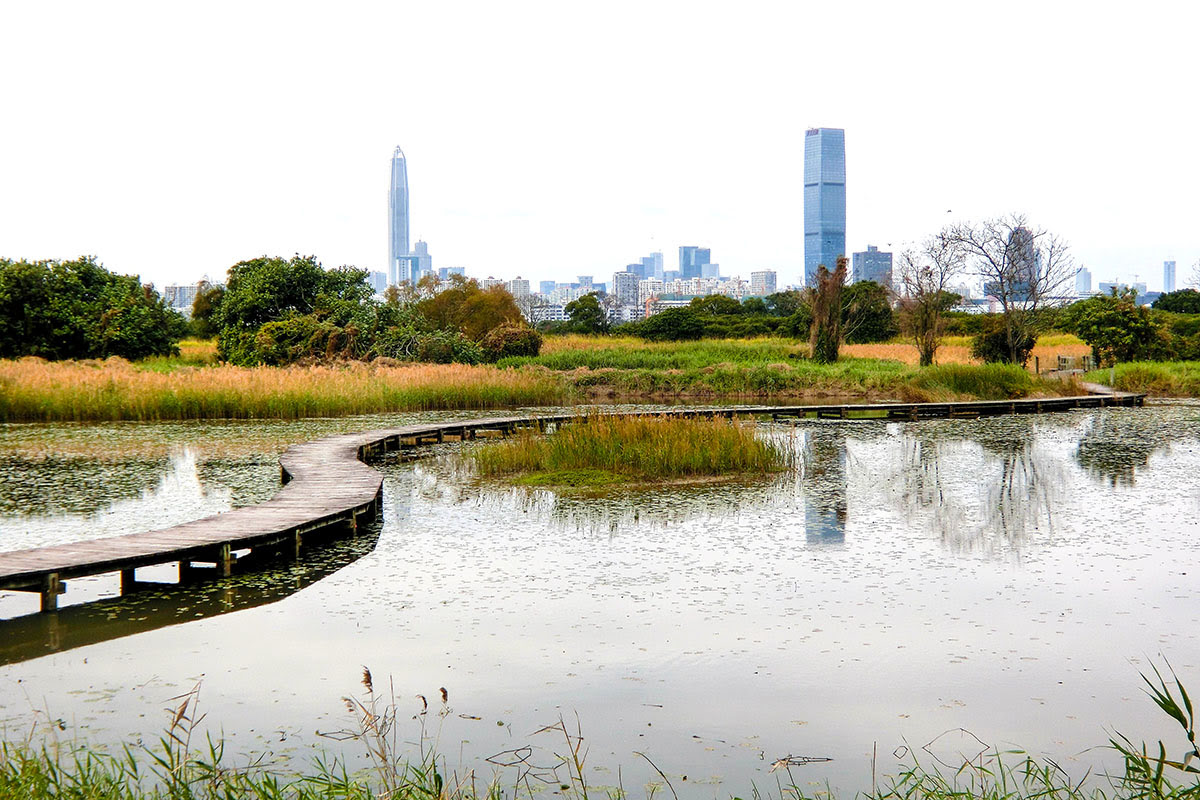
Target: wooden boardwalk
[(329, 489)]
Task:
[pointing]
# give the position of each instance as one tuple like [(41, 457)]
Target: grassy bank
[(603, 450), (35, 390), (1157, 378), (572, 369)]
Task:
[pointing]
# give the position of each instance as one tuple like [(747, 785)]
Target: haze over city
[(548, 141)]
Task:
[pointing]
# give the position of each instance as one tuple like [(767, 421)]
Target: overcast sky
[(551, 140)]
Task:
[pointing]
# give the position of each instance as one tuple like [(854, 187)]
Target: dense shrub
[(511, 340), (78, 309), (991, 345)]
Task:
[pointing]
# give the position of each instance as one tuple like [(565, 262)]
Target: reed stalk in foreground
[(612, 448)]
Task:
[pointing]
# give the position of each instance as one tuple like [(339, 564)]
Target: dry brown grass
[(957, 350), (35, 390)]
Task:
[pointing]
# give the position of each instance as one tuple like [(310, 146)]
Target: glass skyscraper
[(398, 252), (824, 200)]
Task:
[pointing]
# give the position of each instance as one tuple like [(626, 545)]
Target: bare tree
[(1026, 268), (923, 277), (1194, 278), (825, 335), (530, 304)]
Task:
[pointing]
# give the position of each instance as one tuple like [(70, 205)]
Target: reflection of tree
[(984, 489), (1118, 443)]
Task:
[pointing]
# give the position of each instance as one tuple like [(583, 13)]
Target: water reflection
[(177, 489), (155, 606), (1115, 447)]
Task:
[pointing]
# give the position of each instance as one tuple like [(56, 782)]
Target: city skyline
[(524, 170)]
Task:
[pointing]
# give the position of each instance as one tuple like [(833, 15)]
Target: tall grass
[(638, 448), (983, 382), (36, 390), (627, 352), (1162, 378)]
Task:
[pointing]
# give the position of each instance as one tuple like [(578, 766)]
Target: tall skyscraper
[(1083, 282), (1168, 276), (872, 265), (692, 260), (824, 200), (398, 265), (652, 266)]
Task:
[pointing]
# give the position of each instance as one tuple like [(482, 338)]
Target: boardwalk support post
[(129, 580), (51, 588), (225, 560)]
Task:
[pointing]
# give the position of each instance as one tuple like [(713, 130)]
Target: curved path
[(328, 489)]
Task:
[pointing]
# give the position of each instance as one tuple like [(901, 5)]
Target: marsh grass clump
[(604, 449)]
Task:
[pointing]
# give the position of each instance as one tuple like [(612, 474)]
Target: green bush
[(511, 339), (991, 344)]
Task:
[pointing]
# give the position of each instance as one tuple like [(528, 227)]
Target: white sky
[(555, 139)]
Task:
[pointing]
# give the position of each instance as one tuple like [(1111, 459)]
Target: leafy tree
[(995, 344), (825, 336), (204, 310), (716, 305), (924, 275), (786, 303), (587, 315), (464, 307), (673, 325), (272, 289), (867, 313), (755, 305), (1184, 301), (78, 309), (1118, 329)]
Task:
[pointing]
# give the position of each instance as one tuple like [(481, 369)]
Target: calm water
[(1008, 576)]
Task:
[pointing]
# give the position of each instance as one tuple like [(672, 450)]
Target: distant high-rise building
[(1168, 276), (444, 273), (824, 200), (872, 265), (378, 281), (692, 260), (181, 298), (585, 283), (398, 220), (652, 266), (546, 287), (518, 287), (420, 262), (762, 283), (625, 287), (1083, 282)]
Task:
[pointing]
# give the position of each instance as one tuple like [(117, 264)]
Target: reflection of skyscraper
[(824, 200), (398, 220)]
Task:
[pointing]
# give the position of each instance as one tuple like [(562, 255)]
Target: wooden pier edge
[(327, 488)]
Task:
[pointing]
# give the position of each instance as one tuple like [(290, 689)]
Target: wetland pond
[(1008, 576)]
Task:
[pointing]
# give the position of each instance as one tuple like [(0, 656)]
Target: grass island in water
[(604, 450)]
